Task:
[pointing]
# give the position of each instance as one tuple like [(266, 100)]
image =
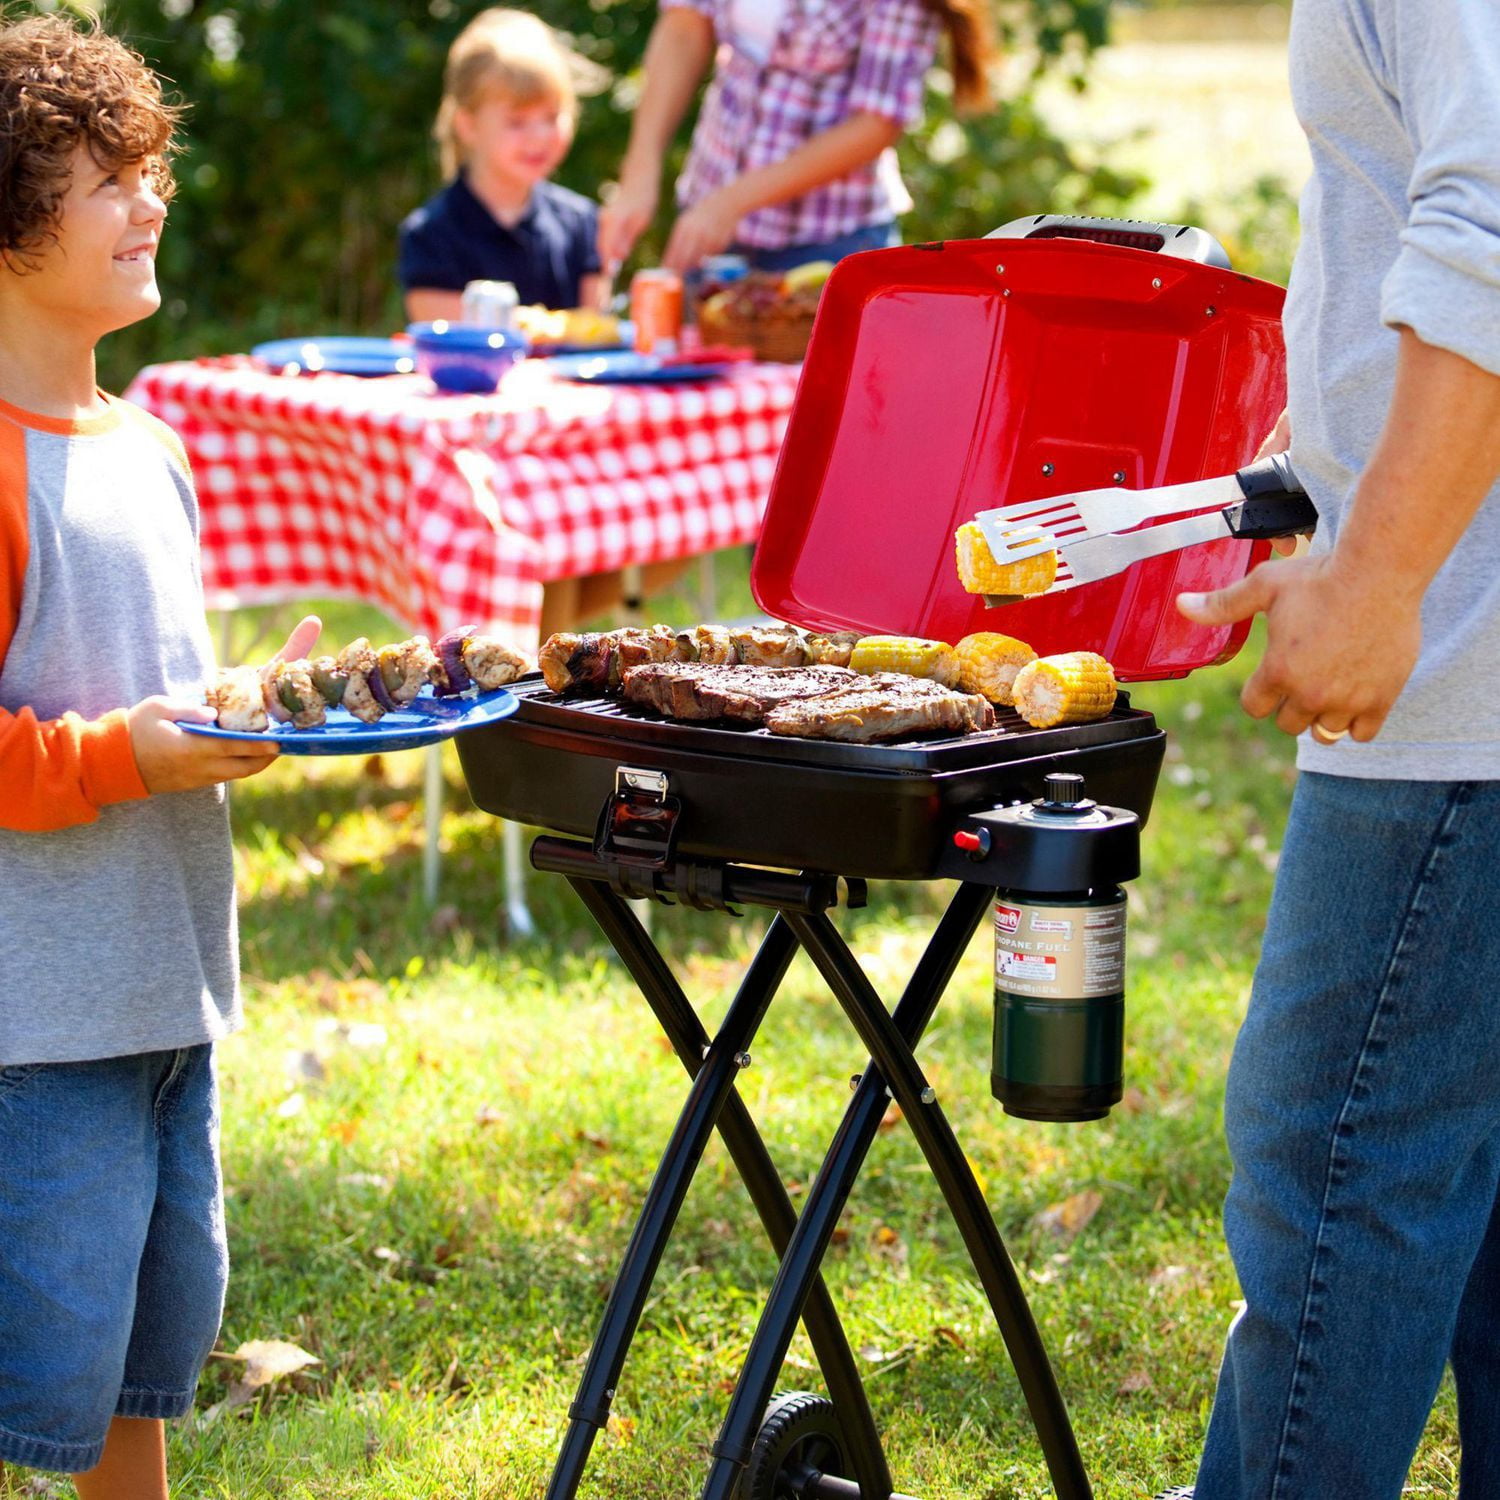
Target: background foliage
[(309, 140)]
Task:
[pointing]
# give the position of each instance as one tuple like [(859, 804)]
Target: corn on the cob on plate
[(981, 572), (1076, 687), (988, 663), (905, 653)]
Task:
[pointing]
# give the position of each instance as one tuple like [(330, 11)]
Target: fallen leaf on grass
[(1065, 1221), (1134, 1383), (269, 1359), (889, 1245), (266, 1360)]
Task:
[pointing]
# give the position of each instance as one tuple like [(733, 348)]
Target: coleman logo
[(1007, 918)]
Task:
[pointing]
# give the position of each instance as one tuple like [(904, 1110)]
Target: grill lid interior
[(942, 380)]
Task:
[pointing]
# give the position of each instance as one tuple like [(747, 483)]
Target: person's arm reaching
[(1345, 628), (708, 227), (678, 55)]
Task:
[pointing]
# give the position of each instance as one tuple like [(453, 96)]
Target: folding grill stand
[(801, 1445)]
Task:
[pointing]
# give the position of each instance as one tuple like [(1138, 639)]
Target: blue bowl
[(462, 358)]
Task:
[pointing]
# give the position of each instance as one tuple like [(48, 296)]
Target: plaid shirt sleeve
[(898, 47)]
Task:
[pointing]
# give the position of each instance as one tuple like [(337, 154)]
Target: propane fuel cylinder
[(1059, 1035)]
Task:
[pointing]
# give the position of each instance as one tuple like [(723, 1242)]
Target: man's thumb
[(1224, 606)]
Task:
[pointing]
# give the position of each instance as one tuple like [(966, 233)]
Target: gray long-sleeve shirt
[(1400, 100), (117, 922)]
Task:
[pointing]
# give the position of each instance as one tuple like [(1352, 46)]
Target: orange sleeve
[(54, 773)]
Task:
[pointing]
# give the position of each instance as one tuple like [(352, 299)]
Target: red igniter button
[(973, 844)]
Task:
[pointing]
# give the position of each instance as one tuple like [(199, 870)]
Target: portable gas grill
[(941, 379)]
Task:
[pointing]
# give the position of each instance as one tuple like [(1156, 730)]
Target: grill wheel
[(799, 1436)]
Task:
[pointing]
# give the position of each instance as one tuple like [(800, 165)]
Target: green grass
[(438, 1215)]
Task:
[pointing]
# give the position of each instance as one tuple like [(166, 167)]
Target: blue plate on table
[(339, 354), (423, 721), (626, 367)]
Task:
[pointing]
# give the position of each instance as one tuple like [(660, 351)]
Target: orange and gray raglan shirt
[(117, 920)]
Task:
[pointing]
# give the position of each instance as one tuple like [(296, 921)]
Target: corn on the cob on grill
[(1074, 688), (981, 572), (988, 663), (905, 653)]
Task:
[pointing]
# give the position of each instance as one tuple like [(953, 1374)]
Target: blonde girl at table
[(505, 124), (793, 156)]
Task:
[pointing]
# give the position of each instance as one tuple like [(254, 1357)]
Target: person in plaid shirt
[(793, 155)]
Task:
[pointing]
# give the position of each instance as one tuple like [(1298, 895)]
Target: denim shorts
[(112, 1251)]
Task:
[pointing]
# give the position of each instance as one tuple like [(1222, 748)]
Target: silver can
[(490, 304)]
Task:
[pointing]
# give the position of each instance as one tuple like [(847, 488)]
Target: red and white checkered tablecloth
[(447, 510)]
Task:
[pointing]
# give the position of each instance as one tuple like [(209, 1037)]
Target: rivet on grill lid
[(1156, 282), (1119, 476), (742, 1059), (929, 1094), (854, 1081), (1047, 469)]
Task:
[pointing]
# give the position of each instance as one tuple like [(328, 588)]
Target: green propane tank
[(1059, 1003)]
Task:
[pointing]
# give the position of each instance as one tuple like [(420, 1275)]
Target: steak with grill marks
[(690, 690), (887, 706)]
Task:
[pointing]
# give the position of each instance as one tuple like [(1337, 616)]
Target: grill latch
[(638, 823)]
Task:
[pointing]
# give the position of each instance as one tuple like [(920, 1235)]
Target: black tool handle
[(1271, 475), (1281, 513)]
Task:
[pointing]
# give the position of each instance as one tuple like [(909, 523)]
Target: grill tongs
[(1090, 531)]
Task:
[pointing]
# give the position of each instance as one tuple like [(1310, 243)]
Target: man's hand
[(1339, 648), (1278, 440), (172, 760), (707, 228)]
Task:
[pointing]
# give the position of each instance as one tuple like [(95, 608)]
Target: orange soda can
[(656, 309)]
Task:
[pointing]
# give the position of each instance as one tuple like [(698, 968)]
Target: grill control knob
[(1064, 788), (976, 845)]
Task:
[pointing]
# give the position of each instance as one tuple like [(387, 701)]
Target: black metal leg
[(712, 1098), (891, 1054), (830, 1192)]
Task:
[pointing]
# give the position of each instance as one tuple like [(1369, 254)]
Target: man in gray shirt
[(1362, 1109)]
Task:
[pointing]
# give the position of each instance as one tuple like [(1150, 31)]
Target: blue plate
[(340, 354), (424, 721), (629, 368)]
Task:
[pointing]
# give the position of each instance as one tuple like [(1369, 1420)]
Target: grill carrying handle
[(1180, 240)]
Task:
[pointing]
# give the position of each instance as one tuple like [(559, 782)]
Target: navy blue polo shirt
[(454, 239)]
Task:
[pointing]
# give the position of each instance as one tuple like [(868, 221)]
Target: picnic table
[(447, 510), (444, 510)]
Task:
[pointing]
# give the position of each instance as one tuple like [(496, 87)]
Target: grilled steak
[(887, 706), (691, 690)]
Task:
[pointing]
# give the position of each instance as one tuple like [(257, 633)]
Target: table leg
[(518, 919), (432, 797)]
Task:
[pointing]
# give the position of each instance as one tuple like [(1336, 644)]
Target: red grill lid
[(945, 379)]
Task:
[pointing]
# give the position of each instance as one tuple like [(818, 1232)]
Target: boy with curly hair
[(117, 926)]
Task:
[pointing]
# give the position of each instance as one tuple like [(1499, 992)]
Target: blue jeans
[(871, 237), (1363, 1119), (112, 1250)]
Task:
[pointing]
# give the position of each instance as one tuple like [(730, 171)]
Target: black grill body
[(870, 811)]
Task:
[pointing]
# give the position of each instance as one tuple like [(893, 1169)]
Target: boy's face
[(99, 274), (519, 143)]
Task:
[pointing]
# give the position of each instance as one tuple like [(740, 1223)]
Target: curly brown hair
[(63, 86)]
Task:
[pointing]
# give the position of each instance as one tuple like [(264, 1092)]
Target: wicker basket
[(779, 335)]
